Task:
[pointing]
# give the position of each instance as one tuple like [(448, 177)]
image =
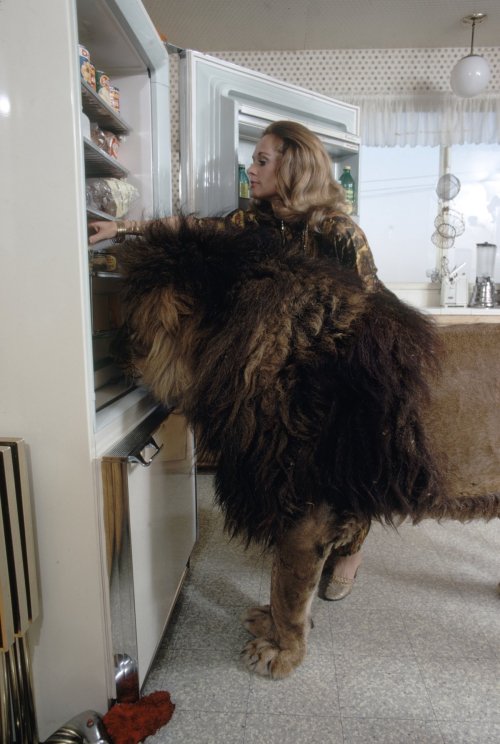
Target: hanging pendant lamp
[(471, 74)]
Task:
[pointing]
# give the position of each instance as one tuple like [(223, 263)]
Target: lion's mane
[(308, 386)]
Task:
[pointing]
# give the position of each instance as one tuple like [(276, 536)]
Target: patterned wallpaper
[(365, 71), (350, 72)]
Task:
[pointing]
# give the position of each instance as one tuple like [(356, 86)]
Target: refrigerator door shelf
[(252, 122)]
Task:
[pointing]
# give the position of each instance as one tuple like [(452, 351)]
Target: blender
[(483, 294)]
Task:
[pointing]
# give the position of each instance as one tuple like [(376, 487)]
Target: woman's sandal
[(338, 588)]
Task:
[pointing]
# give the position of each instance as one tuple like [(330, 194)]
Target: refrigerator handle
[(137, 457)]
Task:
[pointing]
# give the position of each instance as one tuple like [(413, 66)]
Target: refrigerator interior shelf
[(106, 274), (98, 110), (96, 214), (97, 272), (97, 163), (112, 392)]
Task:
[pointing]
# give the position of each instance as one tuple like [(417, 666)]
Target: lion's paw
[(267, 659), (258, 620)]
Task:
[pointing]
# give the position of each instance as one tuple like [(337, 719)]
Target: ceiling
[(273, 25)]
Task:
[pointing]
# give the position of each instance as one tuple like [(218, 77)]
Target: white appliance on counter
[(454, 290), (52, 376), (223, 110)]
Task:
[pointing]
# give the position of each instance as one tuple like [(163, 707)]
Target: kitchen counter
[(425, 296), (449, 315)]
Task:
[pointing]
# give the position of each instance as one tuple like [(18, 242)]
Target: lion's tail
[(465, 508)]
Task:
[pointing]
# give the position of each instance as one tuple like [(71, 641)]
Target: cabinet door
[(162, 508)]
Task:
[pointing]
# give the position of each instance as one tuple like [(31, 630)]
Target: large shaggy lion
[(328, 405)]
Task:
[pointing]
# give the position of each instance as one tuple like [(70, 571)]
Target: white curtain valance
[(428, 119)]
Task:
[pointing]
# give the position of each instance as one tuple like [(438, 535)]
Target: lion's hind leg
[(281, 642)]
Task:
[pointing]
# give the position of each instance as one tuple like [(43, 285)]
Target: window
[(397, 207), (398, 204), (478, 169)]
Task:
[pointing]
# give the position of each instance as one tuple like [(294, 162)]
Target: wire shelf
[(97, 163), (98, 110)]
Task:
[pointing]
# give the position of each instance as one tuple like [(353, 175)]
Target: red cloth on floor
[(131, 723)]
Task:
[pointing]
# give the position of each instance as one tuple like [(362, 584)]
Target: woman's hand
[(102, 231)]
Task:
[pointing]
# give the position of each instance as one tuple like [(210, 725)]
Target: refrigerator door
[(222, 104)]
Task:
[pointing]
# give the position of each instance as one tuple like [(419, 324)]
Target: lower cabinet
[(149, 490)]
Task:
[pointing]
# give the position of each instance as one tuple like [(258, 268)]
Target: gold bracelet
[(135, 227), (121, 231)]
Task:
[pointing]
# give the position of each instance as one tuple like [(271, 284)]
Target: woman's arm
[(348, 243), (119, 229)]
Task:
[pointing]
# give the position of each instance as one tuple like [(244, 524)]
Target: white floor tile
[(411, 655), (278, 729), (390, 731)]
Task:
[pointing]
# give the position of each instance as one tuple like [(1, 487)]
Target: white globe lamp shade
[(470, 76)]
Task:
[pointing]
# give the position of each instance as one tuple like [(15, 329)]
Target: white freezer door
[(162, 504), (221, 102), (149, 509)]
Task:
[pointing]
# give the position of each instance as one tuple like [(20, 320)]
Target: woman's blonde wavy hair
[(305, 183)]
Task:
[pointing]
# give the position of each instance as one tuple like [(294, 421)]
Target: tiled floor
[(412, 655)]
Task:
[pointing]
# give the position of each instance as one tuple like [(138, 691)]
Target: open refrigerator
[(96, 533)]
